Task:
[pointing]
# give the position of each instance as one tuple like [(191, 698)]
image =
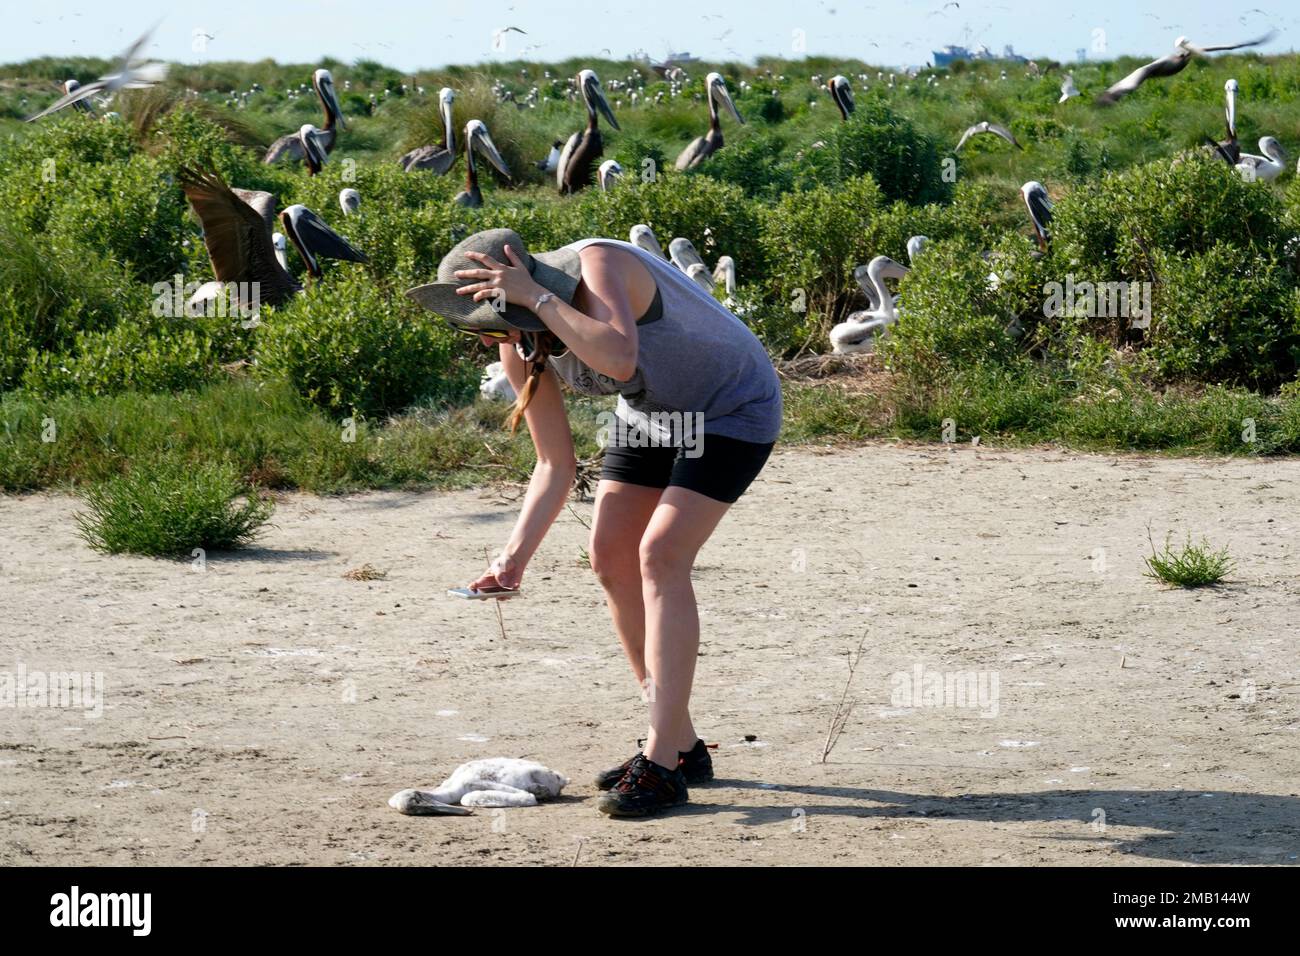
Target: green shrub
[(353, 348), (170, 507)]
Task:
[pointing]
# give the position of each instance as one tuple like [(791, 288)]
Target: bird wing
[(436, 158), (1238, 46), (237, 236), (566, 155), (692, 155), (76, 96), (261, 203), (1165, 66), (1000, 130), (971, 131), (288, 145)]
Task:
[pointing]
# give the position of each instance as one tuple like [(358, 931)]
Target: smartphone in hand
[(483, 594)]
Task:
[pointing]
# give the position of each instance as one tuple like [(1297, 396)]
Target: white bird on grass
[(492, 782), (494, 383), (1268, 166), (858, 333)]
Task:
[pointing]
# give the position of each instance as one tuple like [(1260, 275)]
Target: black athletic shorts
[(722, 471)]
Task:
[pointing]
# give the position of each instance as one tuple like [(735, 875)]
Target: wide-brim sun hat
[(558, 271)]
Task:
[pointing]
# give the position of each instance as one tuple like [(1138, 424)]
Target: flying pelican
[(311, 142), (1040, 211), (131, 74), (643, 236), (1268, 166), (478, 140), (578, 158), (986, 127), (609, 173), (1169, 65), (349, 201), (237, 226), (552, 159), (1068, 89), (290, 145), (683, 255), (705, 146), (842, 94), (438, 157), (858, 333)]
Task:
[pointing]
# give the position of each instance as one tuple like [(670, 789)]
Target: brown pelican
[(349, 201), (705, 146), (237, 225), (610, 172), (290, 145), (1268, 166), (578, 159), (1040, 211), (725, 273), (1169, 65), (643, 236), (438, 157), (552, 159), (1229, 148), (312, 143), (842, 94), (1068, 89), (683, 255), (986, 127), (699, 272), (478, 140), (131, 74)]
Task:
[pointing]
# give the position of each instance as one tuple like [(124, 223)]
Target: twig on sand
[(501, 621), (842, 709), (581, 841)]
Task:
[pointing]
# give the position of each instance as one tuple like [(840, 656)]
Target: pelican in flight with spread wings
[(986, 127), (1169, 65), (132, 74), (237, 226)]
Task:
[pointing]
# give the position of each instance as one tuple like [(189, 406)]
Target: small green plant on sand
[(1192, 566)]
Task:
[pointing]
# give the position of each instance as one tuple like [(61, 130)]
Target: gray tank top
[(694, 357)]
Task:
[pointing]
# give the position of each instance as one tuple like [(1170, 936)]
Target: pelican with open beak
[(702, 147), (439, 157), (477, 140), (842, 94), (579, 157), (290, 145)]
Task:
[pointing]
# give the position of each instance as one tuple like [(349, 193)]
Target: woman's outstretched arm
[(552, 478)]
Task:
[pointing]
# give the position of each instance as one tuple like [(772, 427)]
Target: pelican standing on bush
[(702, 147), (477, 140), (578, 159), (438, 157), (290, 145)]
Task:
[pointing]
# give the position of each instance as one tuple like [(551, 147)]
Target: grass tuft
[(1192, 566)]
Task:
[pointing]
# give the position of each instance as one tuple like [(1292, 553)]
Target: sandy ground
[(264, 709)]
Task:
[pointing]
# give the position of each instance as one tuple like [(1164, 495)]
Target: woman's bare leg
[(680, 525), (619, 521)]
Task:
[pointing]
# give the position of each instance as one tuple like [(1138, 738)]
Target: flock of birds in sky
[(244, 246)]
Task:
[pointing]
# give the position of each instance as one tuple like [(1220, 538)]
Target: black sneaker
[(696, 765), (646, 788)]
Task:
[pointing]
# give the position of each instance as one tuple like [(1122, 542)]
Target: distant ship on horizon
[(952, 53)]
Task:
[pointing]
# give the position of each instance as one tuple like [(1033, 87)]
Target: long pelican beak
[(479, 139), (313, 152), (1040, 211), (310, 236), (723, 95), (596, 97), (325, 89), (1230, 88), (445, 99)]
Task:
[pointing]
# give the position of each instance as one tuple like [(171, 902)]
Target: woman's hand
[(512, 281), (503, 572)]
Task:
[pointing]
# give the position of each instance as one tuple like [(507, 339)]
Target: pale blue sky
[(432, 34)]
